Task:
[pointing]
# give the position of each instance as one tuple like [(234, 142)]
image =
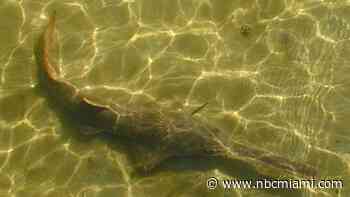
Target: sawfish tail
[(47, 72), (60, 91), (48, 36), (64, 95)]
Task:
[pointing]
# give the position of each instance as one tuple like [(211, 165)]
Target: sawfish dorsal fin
[(200, 108)]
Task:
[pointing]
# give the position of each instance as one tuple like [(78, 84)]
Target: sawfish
[(172, 133)]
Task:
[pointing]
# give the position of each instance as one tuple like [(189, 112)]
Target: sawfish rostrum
[(174, 134)]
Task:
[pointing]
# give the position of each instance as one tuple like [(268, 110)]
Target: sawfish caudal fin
[(64, 96), (48, 75), (47, 39)]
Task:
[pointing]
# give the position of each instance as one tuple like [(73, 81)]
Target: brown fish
[(174, 134)]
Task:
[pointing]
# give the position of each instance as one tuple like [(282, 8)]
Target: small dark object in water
[(245, 30), (174, 134)]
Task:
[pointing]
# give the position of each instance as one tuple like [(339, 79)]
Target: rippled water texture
[(275, 74)]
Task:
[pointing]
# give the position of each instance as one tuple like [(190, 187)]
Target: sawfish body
[(175, 134)]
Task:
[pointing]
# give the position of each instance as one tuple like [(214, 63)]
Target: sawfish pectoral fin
[(147, 165), (146, 160)]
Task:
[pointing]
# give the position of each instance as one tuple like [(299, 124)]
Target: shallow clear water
[(275, 74)]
